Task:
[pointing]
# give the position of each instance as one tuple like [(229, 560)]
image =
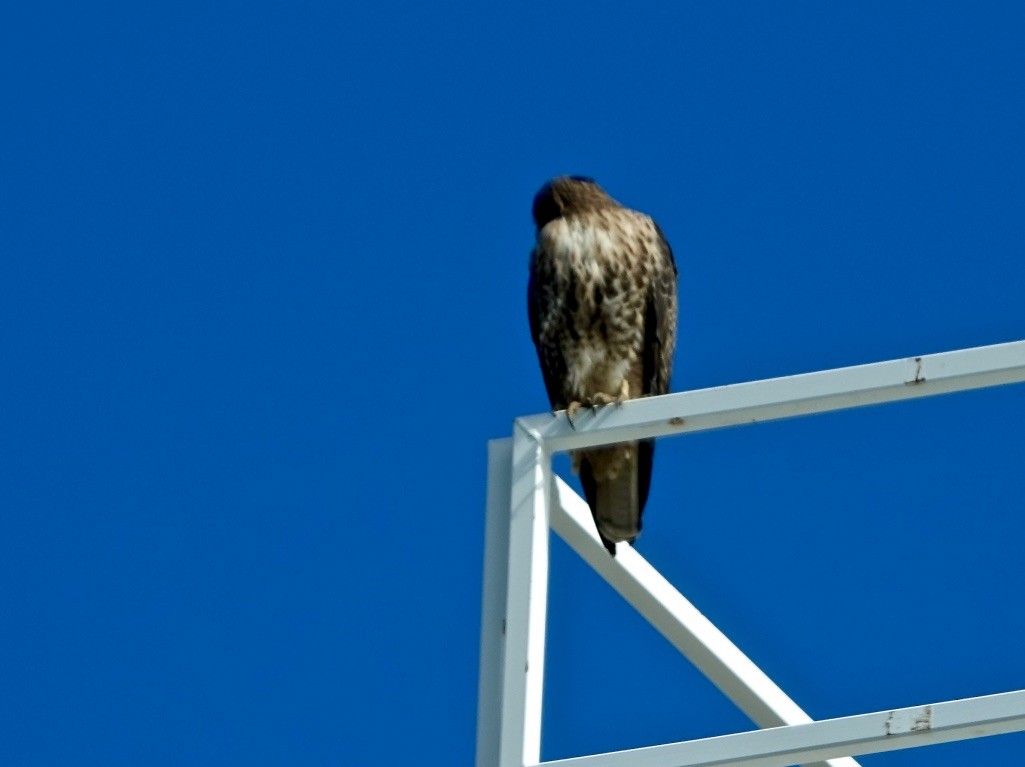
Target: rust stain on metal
[(904, 722), (923, 722), (676, 421), (919, 378)]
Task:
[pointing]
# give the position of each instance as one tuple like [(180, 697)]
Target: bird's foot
[(597, 400), (601, 398)]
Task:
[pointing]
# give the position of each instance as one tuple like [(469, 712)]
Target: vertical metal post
[(525, 609), (492, 637)]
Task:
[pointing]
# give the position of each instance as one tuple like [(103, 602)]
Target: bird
[(602, 304)]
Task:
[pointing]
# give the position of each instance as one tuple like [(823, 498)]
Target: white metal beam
[(493, 599), (677, 619), (861, 734), (525, 609), (774, 398)]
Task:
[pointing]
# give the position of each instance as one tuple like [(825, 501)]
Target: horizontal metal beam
[(677, 619), (775, 398), (861, 734)]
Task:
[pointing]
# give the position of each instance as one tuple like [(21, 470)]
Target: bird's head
[(566, 195)]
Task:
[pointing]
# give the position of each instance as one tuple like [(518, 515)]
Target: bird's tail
[(612, 482)]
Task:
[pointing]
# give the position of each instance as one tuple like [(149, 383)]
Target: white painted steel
[(774, 398), (516, 575), (492, 613), (861, 734), (677, 619), (527, 589)]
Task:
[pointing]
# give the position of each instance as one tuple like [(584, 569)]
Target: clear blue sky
[(262, 304)]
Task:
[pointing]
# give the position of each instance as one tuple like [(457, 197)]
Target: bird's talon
[(571, 410)]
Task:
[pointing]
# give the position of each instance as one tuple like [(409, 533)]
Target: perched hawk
[(602, 305)]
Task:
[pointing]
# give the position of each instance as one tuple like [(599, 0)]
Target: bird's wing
[(541, 310), (659, 344), (660, 322)]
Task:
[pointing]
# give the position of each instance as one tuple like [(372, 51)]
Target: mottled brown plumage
[(602, 306)]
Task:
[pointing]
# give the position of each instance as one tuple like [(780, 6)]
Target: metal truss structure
[(525, 498)]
